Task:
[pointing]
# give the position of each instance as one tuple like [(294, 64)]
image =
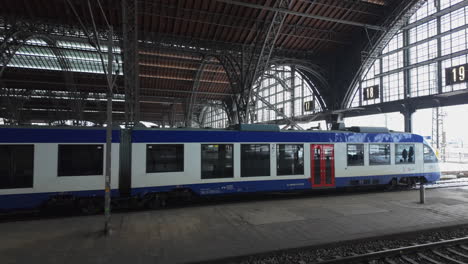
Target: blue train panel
[(56, 135), (204, 136), (35, 200), (275, 185)]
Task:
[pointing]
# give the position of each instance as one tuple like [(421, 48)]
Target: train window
[(379, 154), (255, 160), (429, 155), (355, 154), (404, 153), (16, 166), (80, 160), (290, 159), (216, 161), (164, 158)]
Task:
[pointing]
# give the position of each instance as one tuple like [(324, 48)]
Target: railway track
[(441, 252)]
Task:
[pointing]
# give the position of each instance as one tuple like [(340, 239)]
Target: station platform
[(207, 232)]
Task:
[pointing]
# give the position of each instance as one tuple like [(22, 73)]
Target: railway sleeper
[(445, 256)]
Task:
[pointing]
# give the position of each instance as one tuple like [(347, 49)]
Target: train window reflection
[(255, 160), (429, 155), (290, 159), (216, 161), (16, 166), (404, 153), (80, 160), (164, 158), (355, 154), (379, 154)]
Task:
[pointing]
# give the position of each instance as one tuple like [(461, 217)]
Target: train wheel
[(392, 184), (90, 206), (157, 201), (412, 183)]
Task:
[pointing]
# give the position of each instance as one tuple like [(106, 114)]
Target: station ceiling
[(174, 36)]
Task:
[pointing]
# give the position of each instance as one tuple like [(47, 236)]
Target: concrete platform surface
[(214, 231), (453, 167)]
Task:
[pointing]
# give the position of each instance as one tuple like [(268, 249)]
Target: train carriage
[(40, 165), (252, 161)]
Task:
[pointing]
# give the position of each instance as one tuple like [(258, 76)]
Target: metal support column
[(407, 116), (438, 133), (406, 72), (439, 51), (268, 45), (131, 62), (193, 96), (422, 193), (107, 198), (293, 89)]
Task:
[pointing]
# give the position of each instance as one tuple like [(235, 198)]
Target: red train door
[(322, 165)]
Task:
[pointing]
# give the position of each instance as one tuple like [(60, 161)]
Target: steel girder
[(209, 47), (130, 62), (289, 120), (236, 22), (234, 73), (262, 63), (289, 12), (193, 96), (393, 23), (15, 36), (312, 73), (412, 103), (257, 96), (245, 67)]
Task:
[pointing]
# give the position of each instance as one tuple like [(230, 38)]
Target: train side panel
[(345, 174), (46, 182), (190, 177), (367, 174)]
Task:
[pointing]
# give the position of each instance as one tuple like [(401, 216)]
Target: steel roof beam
[(237, 22), (183, 91), (130, 61), (295, 13), (209, 47)]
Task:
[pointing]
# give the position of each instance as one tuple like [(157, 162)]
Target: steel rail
[(397, 251)]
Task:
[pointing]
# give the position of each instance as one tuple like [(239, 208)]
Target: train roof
[(39, 134), (146, 135), (51, 134)]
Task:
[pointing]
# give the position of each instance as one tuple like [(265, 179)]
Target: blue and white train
[(44, 165)]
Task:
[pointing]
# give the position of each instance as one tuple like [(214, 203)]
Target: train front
[(431, 163)]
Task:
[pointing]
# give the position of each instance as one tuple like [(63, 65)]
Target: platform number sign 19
[(457, 74), (371, 92), (308, 106)]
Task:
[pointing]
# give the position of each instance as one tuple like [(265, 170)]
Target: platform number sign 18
[(457, 74), (371, 92)]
